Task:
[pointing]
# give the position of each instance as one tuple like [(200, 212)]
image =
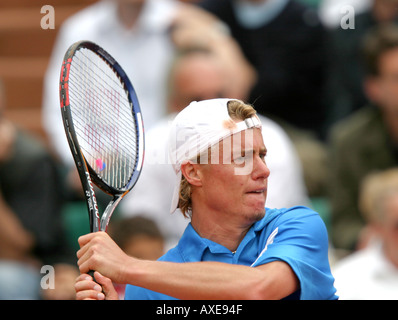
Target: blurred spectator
[(372, 272), (367, 140), (284, 41), (139, 237), (196, 29), (135, 32), (31, 229), (345, 92), (199, 75)]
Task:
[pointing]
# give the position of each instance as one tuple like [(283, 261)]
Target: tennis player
[(234, 247)]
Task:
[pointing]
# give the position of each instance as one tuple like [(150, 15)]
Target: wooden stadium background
[(25, 50)]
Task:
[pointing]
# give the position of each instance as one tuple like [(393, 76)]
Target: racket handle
[(91, 274)]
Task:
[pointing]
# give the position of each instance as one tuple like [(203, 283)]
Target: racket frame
[(88, 176)]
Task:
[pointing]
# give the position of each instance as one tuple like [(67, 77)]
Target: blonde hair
[(375, 188), (238, 111)]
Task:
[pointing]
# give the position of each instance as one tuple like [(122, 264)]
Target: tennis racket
[(103, 126)]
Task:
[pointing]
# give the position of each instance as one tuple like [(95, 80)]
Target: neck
[(129, 13), (220, 231)]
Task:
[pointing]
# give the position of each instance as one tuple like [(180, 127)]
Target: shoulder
[(91, 13), (297, 214), (295, 226), (354, 273), (348, 266), (298, 237), (355, 126), (88, 19)]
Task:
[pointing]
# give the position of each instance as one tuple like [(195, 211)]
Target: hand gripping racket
[(103, 125)]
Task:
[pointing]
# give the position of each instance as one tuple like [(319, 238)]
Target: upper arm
[(300, 241), (278, 280)]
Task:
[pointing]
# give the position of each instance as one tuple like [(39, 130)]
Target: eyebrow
[(262, 150)]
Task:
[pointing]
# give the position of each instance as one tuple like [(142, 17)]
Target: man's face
[(197, 77), (383, 90), (387, 81), (236, 186), (385, 10)]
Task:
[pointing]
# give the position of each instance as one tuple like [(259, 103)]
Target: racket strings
[(106, 129), (99, 100), (102, 118), (101, 121)]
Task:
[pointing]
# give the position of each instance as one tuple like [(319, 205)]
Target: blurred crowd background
[(323, 75)]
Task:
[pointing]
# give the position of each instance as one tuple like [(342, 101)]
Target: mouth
[(256, 198), (257, 191)]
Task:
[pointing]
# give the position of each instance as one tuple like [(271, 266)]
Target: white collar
[(255, 15)]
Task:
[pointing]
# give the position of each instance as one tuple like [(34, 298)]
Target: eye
[(263, 155), (243, 157), (239, 159)]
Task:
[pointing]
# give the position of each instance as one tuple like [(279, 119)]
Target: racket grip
[(91, 274)]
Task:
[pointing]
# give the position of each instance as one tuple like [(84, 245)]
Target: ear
[(192, 173)]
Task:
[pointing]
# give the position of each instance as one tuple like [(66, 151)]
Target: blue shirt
[(296, 236)]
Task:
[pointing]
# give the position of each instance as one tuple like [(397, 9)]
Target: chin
[(256, 215), (260, 214)]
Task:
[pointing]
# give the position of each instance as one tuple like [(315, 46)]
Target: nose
[(260, 169)]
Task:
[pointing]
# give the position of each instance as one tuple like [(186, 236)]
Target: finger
[(87, 285), (84, 264), (85, 253), (84, 244), (89, 295), (107, 286), (88, 289), (105, 282), (83, 240), (81, 252), (83, 276), (86, 241)]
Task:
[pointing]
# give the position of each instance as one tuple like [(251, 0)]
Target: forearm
[(213, 280), (194, 280)]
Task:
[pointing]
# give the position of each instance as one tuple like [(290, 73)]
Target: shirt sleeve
[(137, 293), (299, 238)]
